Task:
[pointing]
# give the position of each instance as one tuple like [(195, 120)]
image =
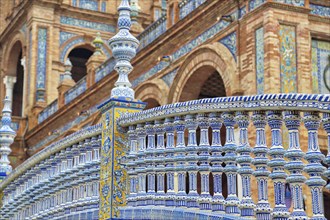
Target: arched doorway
[(15, 69), (78, 57)]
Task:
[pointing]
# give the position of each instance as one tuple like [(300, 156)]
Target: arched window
[(78, 57)]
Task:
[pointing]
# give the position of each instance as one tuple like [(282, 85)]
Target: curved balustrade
[(187, 6), (61, 180), (185, 175)]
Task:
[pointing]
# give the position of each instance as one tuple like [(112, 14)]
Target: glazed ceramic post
[(244, 159), (141, 165), (326, 126), (159, 162), (192, 160), (277, 162), (260, 160), (131, 157), (180, 161), (314, 167), (7, 135), (204, 146), (232, 202), (149, 162), (216, 159), (295, 166), (169, 159)]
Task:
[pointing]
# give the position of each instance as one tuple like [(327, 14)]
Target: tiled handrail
[(75, 91), (48, 111), (187, 6), (152, 32), (158, 154), (62, 176)]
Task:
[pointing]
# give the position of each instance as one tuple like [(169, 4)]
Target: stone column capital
[(9, 81)]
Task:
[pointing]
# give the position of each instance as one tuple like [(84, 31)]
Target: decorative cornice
[(301, 102)]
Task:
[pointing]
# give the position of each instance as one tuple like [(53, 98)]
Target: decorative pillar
[(66, 82), (314, 167), (131, 165), (159, 163), (216, 159), (180, 161), (9, 81), (204, 167), (232, 202), (295, 165), (7, 135), (113, 177), (141, 167), (169, 160), (278, 175), (244, 159), (149, 163), (192, 160), (260, 150)]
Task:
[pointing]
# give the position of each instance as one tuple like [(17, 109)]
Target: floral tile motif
[(259, 44), (300, 3), (320, 10), (42, 59), (87, 24), (113, 178), (255, 4), (320, 60), (287, 35), (89, 4), (230, 42), (64, 36), (169, 77)]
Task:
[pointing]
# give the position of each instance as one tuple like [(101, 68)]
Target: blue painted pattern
[(320, 10), (87, 24), (230, 42), (74, 3), (103, 6), (169, 77), (42, 59), (255, 3), (75, 91), (300, 3), (259, 44), (64, 36), (186, 7), (89, 4), (48, 111), (320, 59)]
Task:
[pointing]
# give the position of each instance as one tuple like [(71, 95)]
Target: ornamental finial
[(98, 42), (123, 46), (7, 135)]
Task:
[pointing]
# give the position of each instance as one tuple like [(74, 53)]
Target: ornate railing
[(75, 91), (48, 111), (187, 6), (167, 170), (60, 181)]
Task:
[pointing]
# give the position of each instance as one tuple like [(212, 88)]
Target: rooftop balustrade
[(184, 177), (61, 180), (75, 91)]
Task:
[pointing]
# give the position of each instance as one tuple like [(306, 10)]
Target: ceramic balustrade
[(188, 159), (187, 6), (55, 182)]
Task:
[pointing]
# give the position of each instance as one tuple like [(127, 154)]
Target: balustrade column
[(232, 202), (192, 160), (131, 157), (244, 159), (278, 175), (216, 159), (149, 162), (180, 161), (169, 159), (326, 126), (295, 165), (159, 162), (141, 165), (204, 167), (260, 161), (314, 168)]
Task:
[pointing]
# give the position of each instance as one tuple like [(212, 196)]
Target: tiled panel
[(42, 59), (259, 44), (288, 62), (255, 3), (300, 3), (320, 10), (168, 78), (89, 4), (320, 66), (64, 36), (230, 42), (87, 24)]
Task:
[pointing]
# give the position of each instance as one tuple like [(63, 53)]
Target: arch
[(79, 57), (214, 56), (155, 89), (79, 41)]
